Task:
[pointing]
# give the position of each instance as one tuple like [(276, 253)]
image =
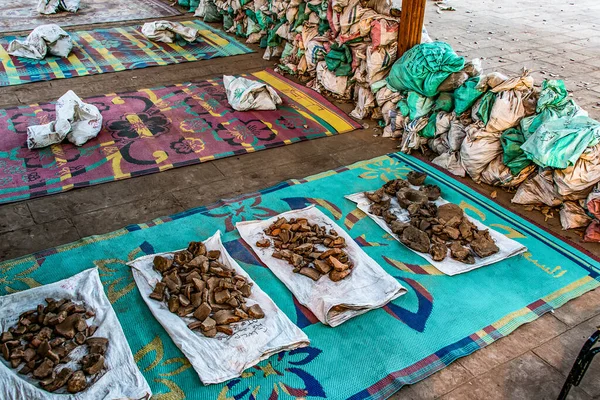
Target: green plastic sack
[(485, 107), (183, 3), (444, 102), (424, 67), (418, 106), (553, 103), (429, 130), (513, 156), (339, 60), (403, 107), (558, 143), (466, 95)]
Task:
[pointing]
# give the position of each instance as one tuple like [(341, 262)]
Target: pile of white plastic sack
[(498, 130), (342, 46)]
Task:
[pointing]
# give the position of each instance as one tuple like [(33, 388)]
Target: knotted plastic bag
[(75, 120), (244, 94), (43, 40)]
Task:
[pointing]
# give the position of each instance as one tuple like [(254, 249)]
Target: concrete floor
[(556, 39)]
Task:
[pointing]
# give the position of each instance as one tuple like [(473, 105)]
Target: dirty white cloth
[(448, 266), (43, 40), (244, 94), (223, 357), (54, 6), (165, 31), (367, 287), (75, 120), (122, 379)]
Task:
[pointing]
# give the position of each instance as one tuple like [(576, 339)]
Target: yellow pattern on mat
[(302, 98)]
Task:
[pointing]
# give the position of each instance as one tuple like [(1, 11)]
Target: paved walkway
[(555, 39)]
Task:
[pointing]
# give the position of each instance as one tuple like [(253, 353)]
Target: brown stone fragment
[(447, 211), (6, 336), (182, 257), (240, 313), (460, 253), (162, 264), (222, 296), (256, 312), (77, 382), (195, 325), (197, 249), (311, 273), (202, 312), (337, 265), (483, 245), (159, 291), (416, 178), (5, 351), (60, 380), (93, 363), (226, 329), (263, 243), (415, 239), (97, 345), (438, 251), (173, 303), (322, 267), (208, 324), (29, 354), (44, 369), (337, 276), (224, 317), (210, 333), (79, 338), (214, 254)]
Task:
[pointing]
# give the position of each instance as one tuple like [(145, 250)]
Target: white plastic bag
[(75, 120), (538, 189), (450, 162), (367, 287), (581, 177), (365, 102), (223, 357), (244, 94), (478, 149), (498, 174), (330, 82), (573, 216), (122, 379), (165, 31), (54, 6), (43, 40)]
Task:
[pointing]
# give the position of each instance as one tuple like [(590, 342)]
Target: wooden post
[(411, 24)]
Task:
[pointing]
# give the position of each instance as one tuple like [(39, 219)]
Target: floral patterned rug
[(100, 51), (440, 319), (19, 15), (153, 130)]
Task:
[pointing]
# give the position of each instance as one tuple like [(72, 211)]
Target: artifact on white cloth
[(43, 40), (222, 336), (166, 31), (333, 302), (75, 120), (439, 231), (297, 241), (64, 341), (54, 6), (196, 284), (40, 342), (244, 94)]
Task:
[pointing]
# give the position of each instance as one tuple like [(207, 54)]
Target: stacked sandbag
[(592, 233)]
